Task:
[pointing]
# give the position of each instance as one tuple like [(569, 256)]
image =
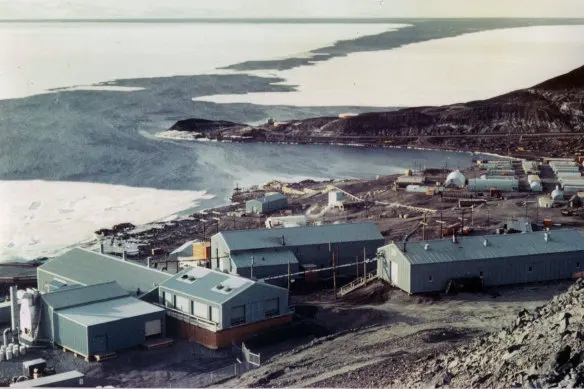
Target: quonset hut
[(428, 266)]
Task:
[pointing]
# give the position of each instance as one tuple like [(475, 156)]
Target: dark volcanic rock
[(554, 106)]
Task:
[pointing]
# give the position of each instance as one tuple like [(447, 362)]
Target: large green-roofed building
[(84, 267)]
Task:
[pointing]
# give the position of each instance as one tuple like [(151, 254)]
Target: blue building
[(268, 203)]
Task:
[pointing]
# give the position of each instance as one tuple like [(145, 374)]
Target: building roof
[(108, 311), (244, 240), (183, 247), (498, 246), (87, 267), (271, 197), (263, 258), (204, 286), (83, 295)]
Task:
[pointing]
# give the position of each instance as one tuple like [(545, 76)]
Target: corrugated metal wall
[(122, 334), (70, 335), (503, 271), (402, 278), (263, 271)]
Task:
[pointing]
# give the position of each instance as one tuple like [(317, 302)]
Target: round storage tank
[(455, 179)]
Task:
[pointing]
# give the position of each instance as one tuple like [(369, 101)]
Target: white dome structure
[(455, 179), (557, 194)]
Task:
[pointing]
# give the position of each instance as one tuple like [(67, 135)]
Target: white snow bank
[(39, 218), (443, 71)]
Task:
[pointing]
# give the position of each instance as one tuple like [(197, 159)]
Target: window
[(192, 310), (430, 279), (272, 307), (238, 315), (530, 268), (578, 265), (482, 273), (174, 301), (163, 298)]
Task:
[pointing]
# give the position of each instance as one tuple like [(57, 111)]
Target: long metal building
[(98, 319), (83, 267), (428, 266), (217, 309), (269, 251), (504, 185)]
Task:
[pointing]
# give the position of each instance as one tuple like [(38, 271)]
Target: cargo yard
[(290, 271)]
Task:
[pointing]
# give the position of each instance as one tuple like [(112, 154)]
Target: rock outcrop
[(542, 348), (552, 107)]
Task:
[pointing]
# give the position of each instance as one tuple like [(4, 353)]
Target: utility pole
[(471, 215), (364, 263), (357, 264), (334, 276), (441, 226), (537, 211), (251, 269), (289, 276), (424, 224)]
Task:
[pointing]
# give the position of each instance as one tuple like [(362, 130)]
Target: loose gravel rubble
[(541, 348)]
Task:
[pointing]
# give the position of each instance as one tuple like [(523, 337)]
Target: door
[(153, 327), (393, 273), (99, 344)]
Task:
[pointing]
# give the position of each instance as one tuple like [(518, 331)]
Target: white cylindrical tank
[(15, 351), (8, 353), (455, 179), (2, 355), (22, 349)]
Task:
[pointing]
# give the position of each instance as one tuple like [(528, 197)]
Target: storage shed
[(428, 266), (84, 267), (217, 309), (268, 203), (98, 319)]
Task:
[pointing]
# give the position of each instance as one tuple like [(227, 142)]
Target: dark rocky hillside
[(553, 108), (543, 348)]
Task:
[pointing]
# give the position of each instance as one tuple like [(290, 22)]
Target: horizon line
[(273, 20)]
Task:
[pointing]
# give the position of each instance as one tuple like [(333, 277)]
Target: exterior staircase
[(357, 283)]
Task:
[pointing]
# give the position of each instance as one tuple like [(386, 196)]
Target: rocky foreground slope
[(555, 106), (542, 348)]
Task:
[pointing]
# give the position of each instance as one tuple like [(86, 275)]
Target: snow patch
[(33, 224)]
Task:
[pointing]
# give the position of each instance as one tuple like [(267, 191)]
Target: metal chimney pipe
[(14, 314)]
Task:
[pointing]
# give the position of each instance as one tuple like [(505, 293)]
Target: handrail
[(357, 283), (178, 314)]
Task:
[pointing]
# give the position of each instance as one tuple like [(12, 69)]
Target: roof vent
[(227, 289), (426, 246), (219, 287), (485, 243), (191, 278), (546, 236), (185, 276)]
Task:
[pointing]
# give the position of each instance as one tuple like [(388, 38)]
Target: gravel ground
[(377, 343)]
